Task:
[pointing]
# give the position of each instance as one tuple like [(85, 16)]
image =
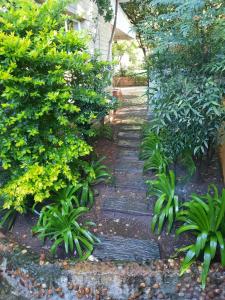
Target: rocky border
[(26, 275)]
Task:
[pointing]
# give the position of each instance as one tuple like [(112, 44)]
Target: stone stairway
[(127, 197)]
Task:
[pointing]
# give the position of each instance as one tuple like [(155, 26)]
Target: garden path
[(125, 201)]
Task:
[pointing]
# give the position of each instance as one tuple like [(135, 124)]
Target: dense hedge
[(51, 90), (186, 61)]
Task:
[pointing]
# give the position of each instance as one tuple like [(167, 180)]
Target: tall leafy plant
[(105, 9), (186, 63), (150, 143), (136, 11), (51, 91), (195, 114)]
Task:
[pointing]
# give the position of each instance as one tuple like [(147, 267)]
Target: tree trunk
[(141, 45), (113, 29)]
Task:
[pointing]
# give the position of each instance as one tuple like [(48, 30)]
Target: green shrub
[(92, 173), (152, 152), (204, 217), (51, 91), (167, 204), (150, 143), (156, 162), (103, 131), (187, 161), (186, 67), (68, 194), (188, 112), (7, 217), (59, 222)]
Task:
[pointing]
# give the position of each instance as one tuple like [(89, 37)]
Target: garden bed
[(161, 279), (108, 224), (22, 229), (111, 224)]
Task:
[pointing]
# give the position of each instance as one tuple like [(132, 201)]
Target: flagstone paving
[(118, 248), (127, 198)]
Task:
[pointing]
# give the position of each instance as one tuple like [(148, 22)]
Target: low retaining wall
[(23, 276)]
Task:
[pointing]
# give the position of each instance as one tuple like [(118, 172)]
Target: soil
[(107, 149)]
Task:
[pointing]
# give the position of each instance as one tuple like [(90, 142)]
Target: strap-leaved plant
[(204, 217)]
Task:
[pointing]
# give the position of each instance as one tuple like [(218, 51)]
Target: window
[(73, 24)]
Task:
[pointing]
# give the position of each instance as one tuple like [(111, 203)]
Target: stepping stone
[(122, 193), (134, 105), (124, 153), (130, 121), (134, 113), (127, 164), (134, 168), (127, 206), (130, 127), (133, 180), (131, 135), (139, 186), (117, 192), (131, 173), (129, 143), (117, 248), (132, 109), (131, 114)]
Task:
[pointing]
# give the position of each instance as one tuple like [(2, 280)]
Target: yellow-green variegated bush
[(51, 91)]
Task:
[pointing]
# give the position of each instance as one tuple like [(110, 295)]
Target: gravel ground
[(24, 275)]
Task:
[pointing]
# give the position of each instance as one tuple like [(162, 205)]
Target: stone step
[(130, 127), (130, 121), (131, 135), (131, 174), (139, 186), (133, 105), (127, 206), (128, 143), (134, 113), (127, 164), (109, 191), (131, 114), (132, 180), (140, 108), (130, 154), (136, 170), (115, 248)]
